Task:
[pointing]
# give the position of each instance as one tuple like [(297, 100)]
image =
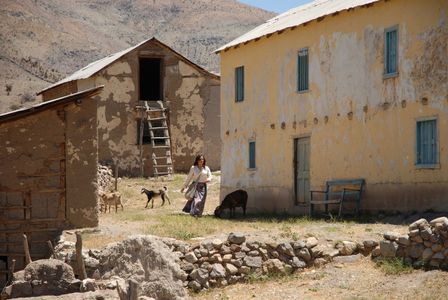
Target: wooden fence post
[(116, 177), (50, 246), (26, 249), (79, 259), (11, 270)]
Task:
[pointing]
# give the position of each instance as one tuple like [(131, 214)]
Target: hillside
[(42, 41)]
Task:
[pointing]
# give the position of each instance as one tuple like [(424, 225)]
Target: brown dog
[(109, 199)]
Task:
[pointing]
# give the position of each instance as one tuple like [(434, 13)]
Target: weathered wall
[(360, 125), (46, 171), (81, 164), (187, 93)]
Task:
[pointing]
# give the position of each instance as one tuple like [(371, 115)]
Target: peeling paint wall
[(193, 113), (191, 95), (81, 164), (360, 124), (47, 166)]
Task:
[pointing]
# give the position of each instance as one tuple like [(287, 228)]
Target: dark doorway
[(150, 79)]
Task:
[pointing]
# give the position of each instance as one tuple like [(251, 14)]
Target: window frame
[(249, 167), (386, 73), (237, 99), (426, 165), (298, 90)]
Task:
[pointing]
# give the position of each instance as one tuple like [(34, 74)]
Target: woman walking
[(200, 174)]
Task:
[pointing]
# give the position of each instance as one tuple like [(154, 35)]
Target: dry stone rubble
[(426, 244)]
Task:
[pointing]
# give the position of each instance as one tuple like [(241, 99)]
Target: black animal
[(152, 194), (237, 198)]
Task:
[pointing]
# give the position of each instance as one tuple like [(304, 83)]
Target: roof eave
[(20, 113)]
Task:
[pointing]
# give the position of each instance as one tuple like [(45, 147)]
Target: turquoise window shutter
[(427, 149), (239, 84), (391, 51), (302, 70)]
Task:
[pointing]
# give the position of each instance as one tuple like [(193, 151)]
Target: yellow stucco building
[(339, 89)]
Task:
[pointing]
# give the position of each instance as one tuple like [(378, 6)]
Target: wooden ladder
[(160, 140)]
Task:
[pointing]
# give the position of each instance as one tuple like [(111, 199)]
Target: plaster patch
[(189, 87), (10, 150), (119, 68), (120, 89), (72, 152), (187, 70)]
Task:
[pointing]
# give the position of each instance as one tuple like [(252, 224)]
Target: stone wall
[(425, 245), (215, 263)]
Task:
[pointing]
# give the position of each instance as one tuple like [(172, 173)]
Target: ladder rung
[(157, 128), (163, 166), (156, 110), (160, 138), (161, 157), (162, 173), (165, 146), (156, 119)]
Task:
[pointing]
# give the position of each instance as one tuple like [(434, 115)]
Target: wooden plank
[(16, 207), (17, 254), (28, 221), (325, 201), (20, 243), (9, 190), (20, 231), (38, 175)]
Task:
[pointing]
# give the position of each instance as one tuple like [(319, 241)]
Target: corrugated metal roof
[(100, 64), (297, 16), (19, 113)]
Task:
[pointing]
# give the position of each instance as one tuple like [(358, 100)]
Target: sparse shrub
[(28, 97), (394, 266), (14, 107), (8, 88)]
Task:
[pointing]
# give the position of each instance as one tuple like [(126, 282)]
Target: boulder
[(273, 266), (441, 220), (415, 251), (391, 236), (231, 269), (418, 224), (388, 248), (253, 261), (218, 271), (311, 242), (286, 249), (297, 263), (346, 247), (191, 257), (236, 238)]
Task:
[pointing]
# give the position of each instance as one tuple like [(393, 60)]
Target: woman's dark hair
[(199, 158)]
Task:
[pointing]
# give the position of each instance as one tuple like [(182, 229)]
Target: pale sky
[(278, 6)]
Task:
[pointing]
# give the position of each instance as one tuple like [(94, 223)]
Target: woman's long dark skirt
[(197, 207)]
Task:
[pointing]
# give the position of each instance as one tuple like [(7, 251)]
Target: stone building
[(150, 72), (48, 165), (339, 89)]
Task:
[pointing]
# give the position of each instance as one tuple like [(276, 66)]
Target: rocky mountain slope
[(42, 41)]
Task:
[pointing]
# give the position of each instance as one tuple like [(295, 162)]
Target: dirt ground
[(359, 279)]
